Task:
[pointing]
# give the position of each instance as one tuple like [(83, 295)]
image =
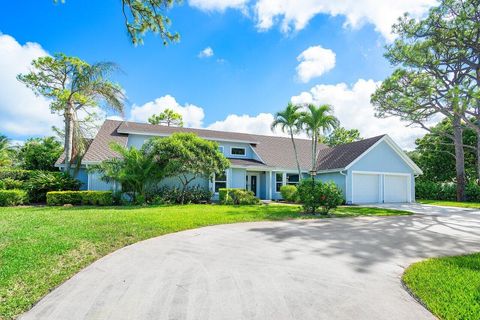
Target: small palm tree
[(4, 151), (317, 120), (289, 122)]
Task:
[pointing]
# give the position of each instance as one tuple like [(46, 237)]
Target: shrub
[(41, 182), (315, 194), (289, 193), (171, 195), (2, 185), (12, 197), (445, 191), (10, 184), (16, 174), (237, 196), (96, 198)]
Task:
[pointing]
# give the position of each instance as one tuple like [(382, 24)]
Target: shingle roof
[(275, 152), (246, 162), (99, 149), (341, 156)]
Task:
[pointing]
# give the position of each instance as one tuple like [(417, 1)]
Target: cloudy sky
[(238, 61)]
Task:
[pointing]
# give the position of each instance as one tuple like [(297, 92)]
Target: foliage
[(136, 170), (10, 184), (173, 195), (446, 203), (2, 185), (289, 193), (318, 120), (73, 85), (41, 182), (40, 154), (44, 246), (289, 121), (447, 286), (13, 197), (341, 135), (167, 117), (445, 191), (5, 160), (96, 198), (237, 196), (16, 174), (315, 194), (188, 157)]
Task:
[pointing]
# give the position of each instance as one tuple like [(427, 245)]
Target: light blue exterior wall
[(82, 176), (382, 158), (95, 183), (337, 178), (238, 178)]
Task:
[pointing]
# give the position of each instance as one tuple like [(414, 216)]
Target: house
[(373, 170)]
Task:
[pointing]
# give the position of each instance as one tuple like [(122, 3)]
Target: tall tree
[(40, 154), (318, 121), (341, 135), (188, 157), (167, 117), (289, 122), (5, 160), (73, 85)]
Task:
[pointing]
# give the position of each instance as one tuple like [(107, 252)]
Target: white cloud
[(192, 115), (352, 107), (218, 5), (22, 113), (259, 124), (314, 62), (206, 53), (296, 14)]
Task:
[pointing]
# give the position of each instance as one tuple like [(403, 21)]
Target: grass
[(41, 247), (474, 205), (449, 287)]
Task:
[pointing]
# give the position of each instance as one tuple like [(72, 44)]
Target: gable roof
[(341, 156), (276, 152)]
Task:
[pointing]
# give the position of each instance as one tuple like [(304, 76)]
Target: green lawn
[(449, 287), (475, 205), (41, 247)]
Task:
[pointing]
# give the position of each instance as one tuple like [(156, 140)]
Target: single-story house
[(373, 170)]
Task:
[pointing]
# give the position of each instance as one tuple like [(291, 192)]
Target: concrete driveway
[(320, 269)]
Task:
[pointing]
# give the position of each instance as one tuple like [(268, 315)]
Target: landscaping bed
[(449, 287), (41, 247)]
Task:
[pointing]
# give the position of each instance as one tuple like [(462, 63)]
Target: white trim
[(238, 155), (269, 185), (382, 172), (395, 147), (275, 183), (330, 170), (169, 134)]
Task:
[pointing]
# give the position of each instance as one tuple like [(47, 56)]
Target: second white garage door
[(396, 188), (366, 188)]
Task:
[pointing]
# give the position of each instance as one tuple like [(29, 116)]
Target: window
[(220, 181), (238, 151), (278, 181), (293, 179), (220, 148)]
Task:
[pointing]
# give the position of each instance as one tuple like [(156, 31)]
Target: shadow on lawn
[(368, 242)]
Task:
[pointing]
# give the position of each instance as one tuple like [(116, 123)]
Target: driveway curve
[(316, 269)]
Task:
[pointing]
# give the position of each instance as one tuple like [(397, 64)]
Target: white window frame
[(292, 183), (238, 155), (221, 181), (277, 182)]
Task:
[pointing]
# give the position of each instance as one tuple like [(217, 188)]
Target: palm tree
[(4, 151), (289, 122), (317, 120), (74, 86)]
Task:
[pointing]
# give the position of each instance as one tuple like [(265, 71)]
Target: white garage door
[(366, 188), (396, 188)]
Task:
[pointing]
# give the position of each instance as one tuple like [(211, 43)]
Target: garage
[(366, 188), (396, 188)]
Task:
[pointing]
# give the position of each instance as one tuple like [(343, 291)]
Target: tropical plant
[(318, 121), (73, 85), (289, 122), (136, 170), (5, 160), (41, 182), (40, 154), (167, 117), (188, 157)]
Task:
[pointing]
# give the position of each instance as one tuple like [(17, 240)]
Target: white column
[(269, 185)]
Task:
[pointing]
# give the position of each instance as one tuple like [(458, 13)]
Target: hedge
[(237, 196), (289, 193), (96, 198), (445, 191), (12, 197), (15, 174)]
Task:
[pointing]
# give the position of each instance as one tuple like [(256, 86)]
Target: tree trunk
[(478, 157), (459, 157), (68, 137), (296, 155)]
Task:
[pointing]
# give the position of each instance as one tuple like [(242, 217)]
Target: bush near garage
[(237, 196), (289, 193), (316, 194), (12, 197), (96, 198)]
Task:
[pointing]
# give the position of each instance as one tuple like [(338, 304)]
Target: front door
[(252, 183)]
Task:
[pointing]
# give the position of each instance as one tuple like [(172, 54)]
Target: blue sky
[(252, 73)]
